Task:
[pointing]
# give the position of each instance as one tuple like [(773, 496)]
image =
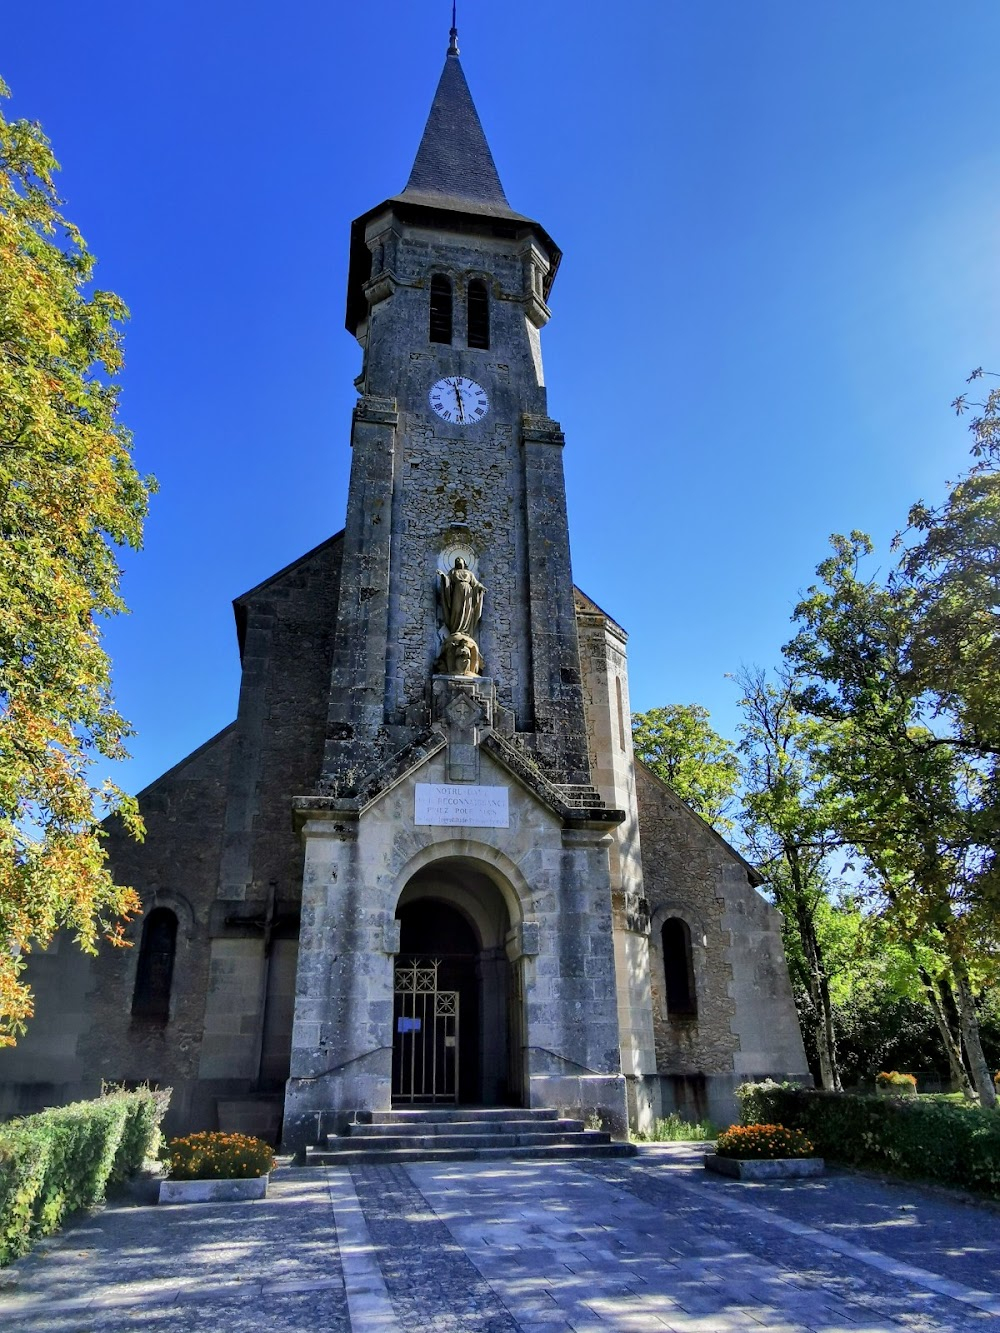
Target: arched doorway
[(455, 992)]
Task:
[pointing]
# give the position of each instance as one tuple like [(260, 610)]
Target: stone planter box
[(755, 1168), (212, 1191)]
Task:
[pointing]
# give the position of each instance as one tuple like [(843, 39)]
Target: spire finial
[(453, 44)]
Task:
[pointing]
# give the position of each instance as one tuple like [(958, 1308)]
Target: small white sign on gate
[(440, 803)]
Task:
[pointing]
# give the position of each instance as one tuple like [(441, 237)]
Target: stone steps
[(444, 1115), (387, 1156), (462, 1134)]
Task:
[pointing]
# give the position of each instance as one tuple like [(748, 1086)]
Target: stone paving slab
[(647, 1244), (705, 1257), (261, 1264)]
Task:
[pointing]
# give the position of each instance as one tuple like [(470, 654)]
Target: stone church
[(422, 866)]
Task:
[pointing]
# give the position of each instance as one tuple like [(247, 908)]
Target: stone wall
[(286, 630), (424, 490), (220, 847), (745, 1024), (612, 762), (554, 882)]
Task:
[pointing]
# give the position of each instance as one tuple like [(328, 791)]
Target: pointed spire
[(454, 166)]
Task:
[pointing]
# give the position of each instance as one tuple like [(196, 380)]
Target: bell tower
[(454, 812), (454, 458)]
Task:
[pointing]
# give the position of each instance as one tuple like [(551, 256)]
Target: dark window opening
[(440, 309), (678, 969), (479, 315), (155, 969)]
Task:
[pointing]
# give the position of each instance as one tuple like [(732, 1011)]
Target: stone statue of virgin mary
[(461, 599)]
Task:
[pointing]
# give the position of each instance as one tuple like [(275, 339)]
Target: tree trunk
[(951, 1042), (981, 1075), (819, 990)]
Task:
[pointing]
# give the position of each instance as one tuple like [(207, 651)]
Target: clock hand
[(458, 398)]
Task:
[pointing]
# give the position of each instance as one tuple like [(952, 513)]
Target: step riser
[(396, 1155), (437, 1114), (433, 1141), (464, 1127)]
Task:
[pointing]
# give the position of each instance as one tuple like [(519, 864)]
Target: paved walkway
[(653, 1243)]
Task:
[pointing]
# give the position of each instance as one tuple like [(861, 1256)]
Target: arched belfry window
[(155, 968), (440, 330), (678, 969), (479, 315)]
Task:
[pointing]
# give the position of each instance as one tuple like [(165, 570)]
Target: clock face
[(459, 400)]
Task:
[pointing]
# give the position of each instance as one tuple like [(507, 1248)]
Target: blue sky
[(780, 227)]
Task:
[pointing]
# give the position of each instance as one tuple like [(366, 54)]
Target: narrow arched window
[(155, 969), (621, 714), (678, 969), (440, 309), (479, 315)]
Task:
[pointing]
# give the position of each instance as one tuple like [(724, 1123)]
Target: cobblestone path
[(652, 1243)]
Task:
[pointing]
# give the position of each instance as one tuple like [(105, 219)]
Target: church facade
[(422, 866)]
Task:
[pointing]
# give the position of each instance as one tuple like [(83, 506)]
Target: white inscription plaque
[(461, 803)]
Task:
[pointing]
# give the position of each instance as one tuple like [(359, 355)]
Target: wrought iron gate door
[(425, 1035)]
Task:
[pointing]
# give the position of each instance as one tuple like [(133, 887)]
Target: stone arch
[(179, 905), (493, 863), (462, 879)]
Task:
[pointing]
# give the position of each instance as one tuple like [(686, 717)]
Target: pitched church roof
[(454, 167)]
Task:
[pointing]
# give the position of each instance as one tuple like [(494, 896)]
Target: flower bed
[(893, 1084), (214, 1155), (216, 1167), (763, 1152), (763, 1142)]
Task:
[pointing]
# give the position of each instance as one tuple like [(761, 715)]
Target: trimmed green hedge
[(61, 1160), (954, 1145)]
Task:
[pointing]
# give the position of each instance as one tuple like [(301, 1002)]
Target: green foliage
[(790, 831), (59, 1161), (957, 1145), (672, 1129), (69, 495), (763, 1143), (915, 802), (214, 1155), (679, 745)]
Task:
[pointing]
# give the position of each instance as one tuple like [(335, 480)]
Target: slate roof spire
[(454, 167)]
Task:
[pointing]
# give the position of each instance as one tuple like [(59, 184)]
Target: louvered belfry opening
[(479, 315), (155, 967), (440, 330)]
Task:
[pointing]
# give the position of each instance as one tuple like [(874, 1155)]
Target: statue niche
[(461, 596)]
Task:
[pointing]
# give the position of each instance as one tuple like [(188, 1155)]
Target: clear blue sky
[(780, 226)]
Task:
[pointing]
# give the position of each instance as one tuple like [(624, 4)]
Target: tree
[(679, 745), (69, 494), (916, 799), (790, 831)]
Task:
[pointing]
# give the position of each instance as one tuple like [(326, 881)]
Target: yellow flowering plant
[(896, 1082), (763, 1142), (214, 1155)]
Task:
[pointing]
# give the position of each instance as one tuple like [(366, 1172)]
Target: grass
[(672, 1129)]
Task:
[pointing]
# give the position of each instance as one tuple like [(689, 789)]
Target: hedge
[(61, 1160), (940, 1141)]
